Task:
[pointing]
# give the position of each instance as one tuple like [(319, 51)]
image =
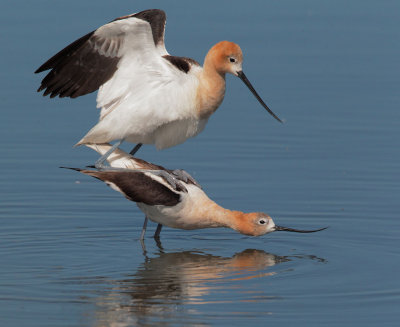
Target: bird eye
[(262, 221), (232, 59)]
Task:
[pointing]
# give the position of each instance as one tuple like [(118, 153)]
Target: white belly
[(164, 136), (159, 108), (190, 213), (173, 133)]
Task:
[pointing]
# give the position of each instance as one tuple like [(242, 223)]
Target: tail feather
[(76, 169)]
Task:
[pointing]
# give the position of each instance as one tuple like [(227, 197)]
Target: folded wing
[(136, 186)]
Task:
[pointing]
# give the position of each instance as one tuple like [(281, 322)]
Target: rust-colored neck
[(211, 90), (213, 215)]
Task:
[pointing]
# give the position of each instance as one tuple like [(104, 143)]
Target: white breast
[(176, 132), (155, 107), (188, 214)]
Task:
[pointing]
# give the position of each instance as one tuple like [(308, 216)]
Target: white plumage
[(145, 95), (140, 95)]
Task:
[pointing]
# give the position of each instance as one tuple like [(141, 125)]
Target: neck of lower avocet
[(210, 214)]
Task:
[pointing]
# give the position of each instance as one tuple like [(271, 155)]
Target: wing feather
[(137, 186), (92, 60)]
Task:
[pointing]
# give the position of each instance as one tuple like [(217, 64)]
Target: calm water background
[(69, 249)]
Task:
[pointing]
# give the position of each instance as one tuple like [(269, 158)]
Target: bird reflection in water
[(166, 287)]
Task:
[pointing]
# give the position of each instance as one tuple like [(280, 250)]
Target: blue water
[(69, 248)]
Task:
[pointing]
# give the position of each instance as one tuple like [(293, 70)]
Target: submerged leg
[(158, 231), (143, 248), (100, 162), (135, 149), (159, 245), (144, 229)]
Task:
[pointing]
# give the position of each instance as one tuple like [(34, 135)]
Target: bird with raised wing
[(178, 204), (146, 95)]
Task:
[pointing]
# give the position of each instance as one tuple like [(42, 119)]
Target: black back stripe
[(182, 63)]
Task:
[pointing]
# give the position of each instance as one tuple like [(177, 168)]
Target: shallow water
[(69, 248)]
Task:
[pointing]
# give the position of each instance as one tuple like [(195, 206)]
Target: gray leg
[(184, 176), (100, 162), (144, 229), (170, 179), (158, 231), (135, 149), (159, 245), (143, 248)]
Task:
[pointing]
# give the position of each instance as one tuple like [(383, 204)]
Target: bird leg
[(184, 176), (144, 229), (135, 149), (159, 245), (143, 248), (170, 179), (158, 231), (99, 164)]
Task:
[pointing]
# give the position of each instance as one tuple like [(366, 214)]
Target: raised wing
[(89, 62)]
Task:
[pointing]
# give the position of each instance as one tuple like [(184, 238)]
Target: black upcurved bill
[(287, 229), (243, 77)]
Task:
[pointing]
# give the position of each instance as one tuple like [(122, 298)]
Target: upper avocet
[(145, 95)]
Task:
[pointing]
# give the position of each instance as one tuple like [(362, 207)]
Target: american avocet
[(178, 204), (146, 95)]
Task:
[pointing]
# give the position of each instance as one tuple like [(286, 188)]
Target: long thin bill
[(243, 77), (287, 229)]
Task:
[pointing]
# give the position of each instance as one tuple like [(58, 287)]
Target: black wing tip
[(44, 67), (152, 12), (156, 18), (48, 92), (148, 15), (39, 70)]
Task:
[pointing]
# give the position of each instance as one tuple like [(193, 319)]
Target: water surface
[(69, 248)]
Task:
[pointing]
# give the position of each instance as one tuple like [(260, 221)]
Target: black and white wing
[(137, 186), (89, 62)]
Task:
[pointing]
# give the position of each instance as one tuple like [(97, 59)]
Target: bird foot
[(99, 166), (171, 180), (100, 163), (184, 176)]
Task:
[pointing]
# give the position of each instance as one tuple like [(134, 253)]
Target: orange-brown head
[(253, 224), (227, 57), (259, 223)]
